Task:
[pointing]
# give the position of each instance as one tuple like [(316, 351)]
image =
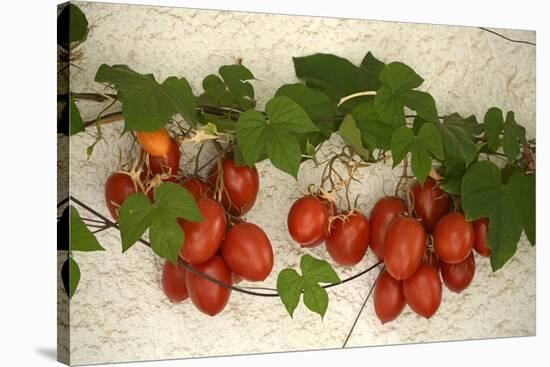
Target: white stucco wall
[(119, 312)]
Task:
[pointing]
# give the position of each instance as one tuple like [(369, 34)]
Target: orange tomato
[(157, 143)]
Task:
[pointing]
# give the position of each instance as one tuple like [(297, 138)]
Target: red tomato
[(173, 282), (198, 188), (430, 257), (117, 188), (404, 247), (248, 252), (237, 278), (241, 186), (168, 164), (381, 216), (308, 221), (348, 239), (389, 300), (481, 226), (203, 239), (453, 238), (458, 277), (209, 297), (156, 143), (430, 203), (423, 291)]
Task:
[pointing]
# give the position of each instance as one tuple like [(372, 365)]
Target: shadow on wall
[(48, 353)]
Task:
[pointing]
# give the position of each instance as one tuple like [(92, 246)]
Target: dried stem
[(355, 95), (403, 177)]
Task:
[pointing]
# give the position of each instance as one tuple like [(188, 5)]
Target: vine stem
[(363, 306), (355, 95), (403, 176)]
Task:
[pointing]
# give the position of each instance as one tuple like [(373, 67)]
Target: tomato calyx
[(343, 216)]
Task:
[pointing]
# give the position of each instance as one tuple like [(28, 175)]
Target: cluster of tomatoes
[(415, 245), (222, 246), (313, 220), (417, 249)]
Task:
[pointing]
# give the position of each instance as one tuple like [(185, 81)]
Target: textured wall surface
[(119, 312)]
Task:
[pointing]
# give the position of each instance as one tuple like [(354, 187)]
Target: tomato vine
[(375, 107)]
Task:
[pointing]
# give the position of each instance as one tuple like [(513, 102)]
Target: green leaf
[(458, 136), (289, 288), (146, 104), (513, 134), (375, 133), (165, 234), (288, 115), (310, 150), (284, 151), (72, 27), (177, 202), (235, 77), (317, 271), (314, 271), (74, 277), (82, 239), (423, 103), (232, 91), (337, 77), (509, 207), (452, 170), (396, 92), (370, 70), (70, 274), (277, 137), (417, 124), (214, 86), (214, 90), (135, 216), (317, 105), (423, 146), (76, 123), (390, 107), (351, 135), (315, 298), (493, 124), (90, 148), (507, 172), (238, 155), (399, 77), (330, 74), (525, 199), (251, 135), (180, 93)]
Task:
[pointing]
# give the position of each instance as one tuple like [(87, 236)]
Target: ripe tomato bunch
[(421, 244), (222, 246), (313, 220)]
